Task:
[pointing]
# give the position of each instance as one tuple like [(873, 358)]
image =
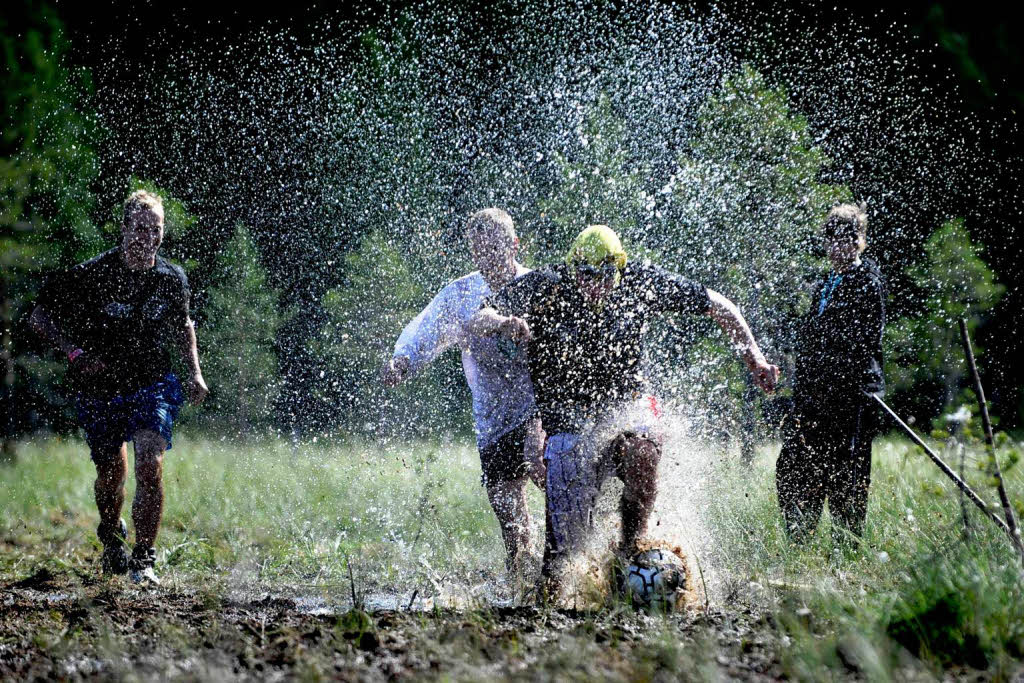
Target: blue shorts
[(112, 421)]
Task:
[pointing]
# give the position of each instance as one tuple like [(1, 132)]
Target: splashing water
[(713, 142)]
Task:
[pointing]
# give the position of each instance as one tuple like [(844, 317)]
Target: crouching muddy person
[(583, 325), (827, 450), (114, 317), (508, 431)]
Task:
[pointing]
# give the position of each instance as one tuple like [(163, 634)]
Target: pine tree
[(48, 132), (924, 355), (380, 294), (596, 183), (746, 207), (238, 342), (747, 202)]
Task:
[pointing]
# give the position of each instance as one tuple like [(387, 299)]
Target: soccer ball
[(655, 579)]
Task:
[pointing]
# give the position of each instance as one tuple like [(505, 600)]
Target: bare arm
[(188, 347), (729, 318), (42, 324), (424, 338)]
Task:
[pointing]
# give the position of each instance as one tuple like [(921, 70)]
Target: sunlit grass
[(273, 512), (411, 517), (915, 584)]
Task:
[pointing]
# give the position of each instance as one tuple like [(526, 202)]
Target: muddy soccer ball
[(653, 579)]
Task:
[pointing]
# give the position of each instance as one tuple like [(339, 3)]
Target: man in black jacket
[(827, 450)]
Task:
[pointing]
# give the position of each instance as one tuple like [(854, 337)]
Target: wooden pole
[(1011, 521), (960, 483)]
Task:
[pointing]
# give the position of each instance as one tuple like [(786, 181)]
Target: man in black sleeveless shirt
[(115, 317)]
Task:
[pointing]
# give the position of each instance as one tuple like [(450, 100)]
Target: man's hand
[(766, 375), (515, 329), (196, 389), (395, 371), (88, 365)]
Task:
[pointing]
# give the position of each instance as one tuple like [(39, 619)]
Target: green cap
[(595, 245)]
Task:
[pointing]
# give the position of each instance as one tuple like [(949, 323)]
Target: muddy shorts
[(579, 464), (112, 421), (505, 460)]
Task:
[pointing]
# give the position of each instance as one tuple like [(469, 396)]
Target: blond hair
[(142, 201), (491, 221)]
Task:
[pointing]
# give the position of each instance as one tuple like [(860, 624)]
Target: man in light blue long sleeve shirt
[(508, 431)]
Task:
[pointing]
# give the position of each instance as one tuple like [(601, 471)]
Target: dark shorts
[(504, 460), (112, 421)]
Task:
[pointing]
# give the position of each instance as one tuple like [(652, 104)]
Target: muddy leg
[(533, 452), (800, 483), (111, 469), (553, 565), (636, 460), (508, 500), (148, 506), (848, 496)]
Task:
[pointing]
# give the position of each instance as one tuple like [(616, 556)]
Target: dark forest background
[(291, 315)]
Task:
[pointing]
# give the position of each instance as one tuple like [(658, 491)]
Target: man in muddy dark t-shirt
[(583, 324), (121, 318), (115, 318)]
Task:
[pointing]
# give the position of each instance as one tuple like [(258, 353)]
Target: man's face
[(595, 282), (842, 248), (493, 252), (142, 233)]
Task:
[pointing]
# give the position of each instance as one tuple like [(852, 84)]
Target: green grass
[(915, 586), (267, 512), (914, 597)]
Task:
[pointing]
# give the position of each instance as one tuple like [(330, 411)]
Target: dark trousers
[(826, 455)]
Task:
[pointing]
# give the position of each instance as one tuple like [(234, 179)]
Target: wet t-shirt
[(582, 359), (498, 377), (126, 318)]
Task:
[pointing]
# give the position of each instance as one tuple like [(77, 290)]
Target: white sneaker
[(141, 567)]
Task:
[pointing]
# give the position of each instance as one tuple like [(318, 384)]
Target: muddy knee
[(636, 459), (111, 466)]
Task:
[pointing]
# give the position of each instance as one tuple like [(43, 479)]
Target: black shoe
[(141, 566), (115, 558)]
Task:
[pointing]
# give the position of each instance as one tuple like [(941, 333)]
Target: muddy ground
[(72, 627)]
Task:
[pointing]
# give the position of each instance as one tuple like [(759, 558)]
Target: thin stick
[(707, 600), (963, 502), (1011, 522), (352, 583), (961, 484)]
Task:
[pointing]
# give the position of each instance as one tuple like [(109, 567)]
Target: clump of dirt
[(40, 580)]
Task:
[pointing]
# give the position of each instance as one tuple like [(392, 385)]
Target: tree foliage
[(747, 203), (238, 341), (365, 315), (47, 166), (597, 182), (925, 364), (744, 215)]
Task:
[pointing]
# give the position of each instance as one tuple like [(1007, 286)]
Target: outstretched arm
[(424, 338), (729, 318), (188, 347)]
